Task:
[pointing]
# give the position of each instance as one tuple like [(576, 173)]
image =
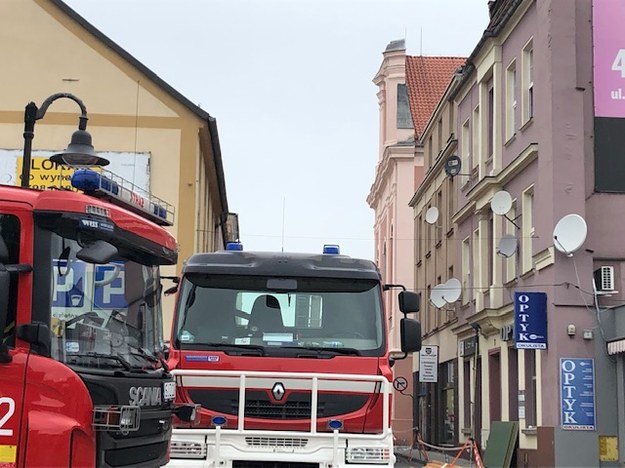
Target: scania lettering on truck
[(287, 355), (82, 379)]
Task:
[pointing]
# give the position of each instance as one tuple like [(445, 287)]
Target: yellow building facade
[(47, 48)]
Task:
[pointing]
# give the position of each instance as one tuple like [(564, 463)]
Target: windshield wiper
[(260, 349), (114, 357), (324, 349), (140, 351)]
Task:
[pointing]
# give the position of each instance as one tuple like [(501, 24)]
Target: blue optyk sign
[(530, 320), (577, 394)]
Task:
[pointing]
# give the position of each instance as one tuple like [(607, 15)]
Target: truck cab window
[(10, 232)]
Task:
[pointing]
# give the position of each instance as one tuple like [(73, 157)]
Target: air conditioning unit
[(604, 279)]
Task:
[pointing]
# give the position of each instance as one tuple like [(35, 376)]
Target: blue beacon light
[(234, 246), (335, 424), (219, 420), (331, 249)]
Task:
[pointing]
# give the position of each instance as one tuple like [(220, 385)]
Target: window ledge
[(510, 139), (526, 124), (530, 430), (466, 431)]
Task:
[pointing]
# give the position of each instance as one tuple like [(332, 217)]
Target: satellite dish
[(507, 245), (569, 234), (452, 289), (436, 296), (431, 215), (501, 202), (453, 164)]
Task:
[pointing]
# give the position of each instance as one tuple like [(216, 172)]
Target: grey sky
[(290, 84)]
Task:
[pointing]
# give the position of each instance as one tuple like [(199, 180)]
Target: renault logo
[(278, 391)]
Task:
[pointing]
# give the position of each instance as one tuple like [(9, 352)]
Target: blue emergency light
[(105, 184), (331, 249), (234, 246)]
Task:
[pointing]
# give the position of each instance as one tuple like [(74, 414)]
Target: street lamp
[(79, 152)]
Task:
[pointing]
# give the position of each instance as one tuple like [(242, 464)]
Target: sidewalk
[(434, 458)]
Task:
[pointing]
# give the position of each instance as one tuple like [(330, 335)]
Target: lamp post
[(79, 151)]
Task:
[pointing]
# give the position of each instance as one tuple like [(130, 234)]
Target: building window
[(490, 249), (530, 387), (476, 270), (490, 101), (511, 103), (430, 151), (438, 225), (476, 139), (528, 81), (527, 234), (448, 370), (465, 146), (440, 135), (404, 119), (466, 270), (419, 239), (466, 388)]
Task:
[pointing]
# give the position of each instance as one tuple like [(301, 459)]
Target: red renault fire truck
[(82, 378), (287, 354)]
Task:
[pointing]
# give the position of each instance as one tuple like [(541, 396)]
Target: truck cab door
[(13, 359)]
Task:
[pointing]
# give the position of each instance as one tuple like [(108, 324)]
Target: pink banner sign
[(608, 18)]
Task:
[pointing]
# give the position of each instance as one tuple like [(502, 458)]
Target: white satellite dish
[(431, 215), (507, 245), (436, 296), (452, 290), (569, 234), (501, 202)]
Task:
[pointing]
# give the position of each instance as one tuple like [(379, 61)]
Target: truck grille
[(271, 464), (297, 405), (291, 442)]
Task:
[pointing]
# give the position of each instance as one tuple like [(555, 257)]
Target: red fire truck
[(82, 379), (287, 355)]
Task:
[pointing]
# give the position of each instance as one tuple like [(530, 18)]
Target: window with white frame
[(476, 138), (511, 102), (466, 270), (528, 81), (465, 145), (527, 229), (490, 118), (476, 269), (510, 263)]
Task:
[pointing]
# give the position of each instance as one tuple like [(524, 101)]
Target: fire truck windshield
[(103, 315), (238, 314)]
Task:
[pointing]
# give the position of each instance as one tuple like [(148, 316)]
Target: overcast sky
[(290, 84)]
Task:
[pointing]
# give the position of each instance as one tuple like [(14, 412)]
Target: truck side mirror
[(410, 335), (409, 302)]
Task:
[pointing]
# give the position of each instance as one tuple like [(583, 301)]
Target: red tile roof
[(426, 79)]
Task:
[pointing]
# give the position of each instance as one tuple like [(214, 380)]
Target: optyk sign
[(530, 320), (577, 393)]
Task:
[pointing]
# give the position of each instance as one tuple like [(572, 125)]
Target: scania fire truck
[(287, 354), (83, 382)]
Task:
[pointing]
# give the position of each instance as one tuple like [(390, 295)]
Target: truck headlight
[(368, 455), (187, 449)]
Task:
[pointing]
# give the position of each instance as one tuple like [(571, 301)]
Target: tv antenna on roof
[(569, 234), (501, 203)]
